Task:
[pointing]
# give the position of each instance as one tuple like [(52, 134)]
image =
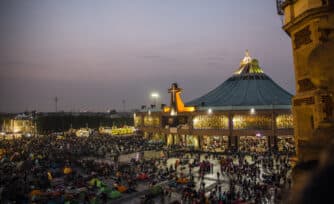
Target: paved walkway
[(210, 180)]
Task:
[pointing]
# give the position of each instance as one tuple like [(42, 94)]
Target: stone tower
[(310, 24)]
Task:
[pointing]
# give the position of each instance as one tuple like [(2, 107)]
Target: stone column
[(269, 138), (232, 139), (200, 141), (233, 142), (165, 138), (275, 140), (185, 140)]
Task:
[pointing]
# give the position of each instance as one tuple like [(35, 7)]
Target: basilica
[(248, 111)]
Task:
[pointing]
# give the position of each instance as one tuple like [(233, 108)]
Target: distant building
[(248, 106), (63, 121), (83, 132), (126, 130), (21, 124)]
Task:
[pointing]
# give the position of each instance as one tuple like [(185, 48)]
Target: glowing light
[(253, 65), (209, 111), (236, 119), (155, 95), (16, 130), (252, 111), (149, 112), (166, 109), (173, 112), (126, 130)]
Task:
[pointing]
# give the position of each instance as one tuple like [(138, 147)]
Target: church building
[(247, 112)]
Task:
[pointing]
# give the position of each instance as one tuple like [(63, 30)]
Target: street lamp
[(209, 111), (252, 111), (155, 97)]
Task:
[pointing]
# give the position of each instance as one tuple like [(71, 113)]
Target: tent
[(156, 190), (49, 176), (36, 193), (100, 184), (114, 194), (121, 188), (67, 170), (142, 176), (182, 180), (93, 181)]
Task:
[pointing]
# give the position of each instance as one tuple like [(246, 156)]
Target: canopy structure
[(249, 86)]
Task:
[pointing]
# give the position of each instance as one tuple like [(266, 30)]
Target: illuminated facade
[(83, 132), (126, 130), (248, 107), (21, 124)]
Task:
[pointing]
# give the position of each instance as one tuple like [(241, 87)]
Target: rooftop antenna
[(56, 103)]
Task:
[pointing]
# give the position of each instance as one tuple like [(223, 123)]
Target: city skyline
[(94, 55)]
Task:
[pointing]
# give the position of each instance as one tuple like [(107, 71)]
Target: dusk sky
[(94, 54)]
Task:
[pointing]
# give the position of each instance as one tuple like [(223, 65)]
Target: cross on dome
[(176, 103), (173, 90)]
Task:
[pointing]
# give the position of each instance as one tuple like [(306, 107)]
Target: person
[(203, 185)]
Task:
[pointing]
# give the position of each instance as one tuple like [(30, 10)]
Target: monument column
[(272, 139), (232, 139)]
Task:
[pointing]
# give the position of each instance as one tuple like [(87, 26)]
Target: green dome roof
[(249, 86)]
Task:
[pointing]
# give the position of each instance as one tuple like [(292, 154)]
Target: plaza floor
[(210, 180)]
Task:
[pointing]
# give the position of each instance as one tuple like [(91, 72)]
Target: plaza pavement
[(210, 180)]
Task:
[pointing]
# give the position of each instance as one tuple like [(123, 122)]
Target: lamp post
[(209, 111), (155, 97)]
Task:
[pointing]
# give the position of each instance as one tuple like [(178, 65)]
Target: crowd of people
[(257, 178), (252, 178), (249, 144), (87, 169), (31, 164)]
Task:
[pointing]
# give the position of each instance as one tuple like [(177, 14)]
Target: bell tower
[(310, 25)]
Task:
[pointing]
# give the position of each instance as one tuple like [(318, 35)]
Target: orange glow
[(179, 103), (166, 109)]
